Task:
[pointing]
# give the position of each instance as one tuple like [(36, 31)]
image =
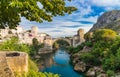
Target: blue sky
[(86, 15)]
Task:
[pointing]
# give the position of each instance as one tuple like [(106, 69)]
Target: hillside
[(110, 20)]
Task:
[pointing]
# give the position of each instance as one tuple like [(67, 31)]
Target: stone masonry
[(13, 62), (5, 71)]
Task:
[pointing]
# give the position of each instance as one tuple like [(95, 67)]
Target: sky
[(86, 15)]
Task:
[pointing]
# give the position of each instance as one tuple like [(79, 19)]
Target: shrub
[(89, 44), (110, 73)]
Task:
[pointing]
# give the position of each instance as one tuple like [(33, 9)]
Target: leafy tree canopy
[(11, 11), (104, 34)]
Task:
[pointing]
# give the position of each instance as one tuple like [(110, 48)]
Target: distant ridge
[(109, 20)]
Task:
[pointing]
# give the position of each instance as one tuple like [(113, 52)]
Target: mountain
[(110, 20)]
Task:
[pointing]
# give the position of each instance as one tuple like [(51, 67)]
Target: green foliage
[(32, 65), (12, 45), (34, 48), (70, 49), (104, 34), (105, 50), (115, 45), (88, 36), (40, 74), (110, 73), (89, 44), (33, 71), (74, 50), (35, 45), (110, 63), (12, 11), (34, 42), (56, 45), (89, 59)]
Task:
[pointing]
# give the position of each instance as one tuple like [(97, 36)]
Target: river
[(58, 62)]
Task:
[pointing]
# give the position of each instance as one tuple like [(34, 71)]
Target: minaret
[(34, 30)]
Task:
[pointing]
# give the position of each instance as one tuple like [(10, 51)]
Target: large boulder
[(91, 72), (95, 72), (102, 75), (80, 67), (74, 58)]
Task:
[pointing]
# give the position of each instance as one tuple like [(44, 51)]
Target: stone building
[(4, 32), (19, 30), (26, 36), (79, 38), (45, 39)]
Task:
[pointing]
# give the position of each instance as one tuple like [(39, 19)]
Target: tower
[(34, 30), (81, 35)]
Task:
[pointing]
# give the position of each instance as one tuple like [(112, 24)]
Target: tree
[(35, 42), (88, 36), (104, 34), (56, 45), (11, 11)]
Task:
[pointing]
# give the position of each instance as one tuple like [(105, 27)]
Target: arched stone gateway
[(65, 39)]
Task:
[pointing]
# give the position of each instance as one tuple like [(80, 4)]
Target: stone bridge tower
[(81, 35), (79, 38)]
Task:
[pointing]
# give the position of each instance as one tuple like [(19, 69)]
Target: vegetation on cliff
[(104, 52)]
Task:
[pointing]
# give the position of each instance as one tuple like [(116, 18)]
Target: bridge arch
[(65, 39)]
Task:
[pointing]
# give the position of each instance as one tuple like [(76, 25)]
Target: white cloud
[(110, 3), (90, 19)]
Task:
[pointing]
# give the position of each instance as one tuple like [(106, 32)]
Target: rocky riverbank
[(87, 69), (90, 71), (44, 50)]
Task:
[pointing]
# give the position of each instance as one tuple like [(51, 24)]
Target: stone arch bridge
[(62, 38)]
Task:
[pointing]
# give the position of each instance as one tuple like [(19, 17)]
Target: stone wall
[(5, 71), (13, 62)]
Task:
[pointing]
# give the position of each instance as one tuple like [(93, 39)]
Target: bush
[(110, 73), (89, 44), (89, 58), (104, 34), (110, 63)]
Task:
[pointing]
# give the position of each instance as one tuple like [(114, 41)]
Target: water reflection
[(57, 62), (46, 60)]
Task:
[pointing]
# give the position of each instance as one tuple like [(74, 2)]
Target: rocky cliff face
[(110, 20)]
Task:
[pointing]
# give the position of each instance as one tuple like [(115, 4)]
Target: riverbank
[(87, 69), (90, 70)]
